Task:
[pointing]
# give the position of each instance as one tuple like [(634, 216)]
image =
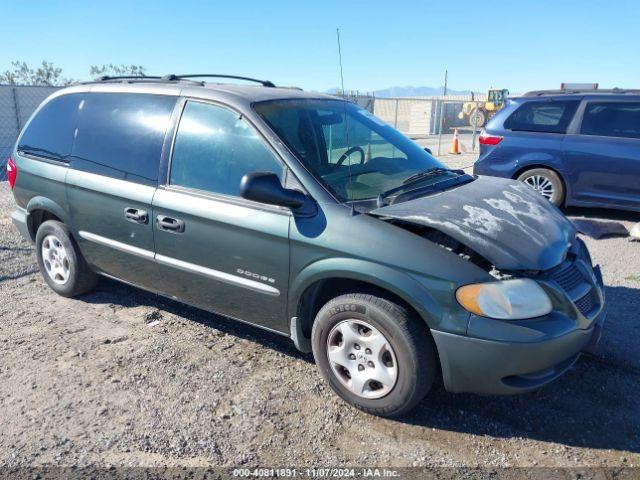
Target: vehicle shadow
[(112, 292), (594, 405)]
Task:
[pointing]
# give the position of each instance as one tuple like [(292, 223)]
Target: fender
[(44, 203), (401, 284)]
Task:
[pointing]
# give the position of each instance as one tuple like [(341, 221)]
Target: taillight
[(12, 172), (485, 139)]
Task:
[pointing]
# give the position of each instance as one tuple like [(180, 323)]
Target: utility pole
[(444, 94)]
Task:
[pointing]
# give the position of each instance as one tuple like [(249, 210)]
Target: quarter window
[(121, 135), (543, 116), (50, 132), (215, 148), (612, 119)]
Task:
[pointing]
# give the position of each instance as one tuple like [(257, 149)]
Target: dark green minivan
[(306, 215)]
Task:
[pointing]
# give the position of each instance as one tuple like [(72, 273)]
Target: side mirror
[(428, 150), (265, 187)]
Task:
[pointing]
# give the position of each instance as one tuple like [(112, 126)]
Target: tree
[(117, 70), (46, 74), (50, 75)]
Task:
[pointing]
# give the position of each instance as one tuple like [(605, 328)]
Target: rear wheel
[(373, 353), (546, 182), (61, 263)]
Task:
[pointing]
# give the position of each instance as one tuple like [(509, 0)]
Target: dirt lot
[(89, 381)]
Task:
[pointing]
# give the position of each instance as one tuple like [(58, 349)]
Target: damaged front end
[(503, 221), (575, 276), (451, 244), (509, 231), (545, 304)]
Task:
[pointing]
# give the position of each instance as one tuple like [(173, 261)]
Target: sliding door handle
[(135, 215), (169, 224)]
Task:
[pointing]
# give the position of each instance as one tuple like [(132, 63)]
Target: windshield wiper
[(431, 172)]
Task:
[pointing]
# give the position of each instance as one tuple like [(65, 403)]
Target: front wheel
[(373, 353), (546, 182)]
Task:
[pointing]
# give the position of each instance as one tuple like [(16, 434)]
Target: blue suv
[(574, 147)]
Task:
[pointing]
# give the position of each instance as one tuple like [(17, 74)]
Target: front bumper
[(516, 357), (19, 219), (477, 365)]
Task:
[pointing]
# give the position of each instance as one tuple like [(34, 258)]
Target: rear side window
[(121, 135), (50, 132), (612, 119), (215, 147), (549, 117)]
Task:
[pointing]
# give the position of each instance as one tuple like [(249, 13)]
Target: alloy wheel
[(542, 185)]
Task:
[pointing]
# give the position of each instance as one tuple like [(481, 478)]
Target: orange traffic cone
[(455, 146)]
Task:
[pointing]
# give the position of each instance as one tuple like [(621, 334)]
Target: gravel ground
[(90, 381)]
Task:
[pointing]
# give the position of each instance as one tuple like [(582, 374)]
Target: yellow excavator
[(478, 113)]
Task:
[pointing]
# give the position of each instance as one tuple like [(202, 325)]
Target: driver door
[(215, 249)]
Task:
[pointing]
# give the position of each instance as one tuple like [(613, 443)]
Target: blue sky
[(520, 45)]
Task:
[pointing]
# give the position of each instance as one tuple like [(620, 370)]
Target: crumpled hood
[(505, 221)]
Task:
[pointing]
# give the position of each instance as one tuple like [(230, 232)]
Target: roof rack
[(107, 78), (576, 91), (176, 78), (140, 78), (172, 77)]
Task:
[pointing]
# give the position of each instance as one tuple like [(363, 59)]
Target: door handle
[(169, 224), (135, 215)]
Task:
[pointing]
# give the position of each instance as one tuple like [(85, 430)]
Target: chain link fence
[(17, 103), (422, 116), (365, 100)]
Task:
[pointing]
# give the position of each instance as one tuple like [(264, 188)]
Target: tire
[(477, 119), (408, 362), (546, 182), (61, 263)]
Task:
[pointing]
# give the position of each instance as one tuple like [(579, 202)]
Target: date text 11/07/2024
[(316, 472)]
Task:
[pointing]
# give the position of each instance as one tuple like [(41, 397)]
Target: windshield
[(356, 155)]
